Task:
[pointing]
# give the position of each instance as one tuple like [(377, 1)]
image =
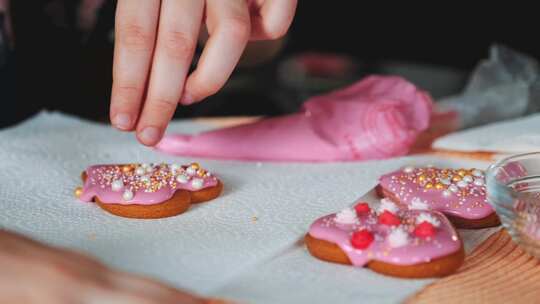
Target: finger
[(116, 297), (229, 28), (152, 289), (135, 30), (179, 26), (31, 250), (271, 19)]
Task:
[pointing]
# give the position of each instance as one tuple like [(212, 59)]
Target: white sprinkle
[(197, 183), (468, 178), (346, 216), (117, 185), (182, 179), (462, 184), (478, 173), (398, 238), (191, 170), (445, 181), (426, 217), (140, 171), (127, 195), (418, 204), (387, 205), (408, 169), (453, 188), (145, 165), (479, 182), (149, 169), (174, 167)]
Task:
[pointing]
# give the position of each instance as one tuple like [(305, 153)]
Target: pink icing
[(161, 186), (469, 201), (376, 118), (417, 249)]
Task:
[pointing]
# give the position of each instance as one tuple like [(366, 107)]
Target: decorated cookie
[(147, 190), (388, 239), (458, 193)]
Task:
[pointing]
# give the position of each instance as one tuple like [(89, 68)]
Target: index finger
[(135, 32), (151, 289), (272, 19), (229, 27)]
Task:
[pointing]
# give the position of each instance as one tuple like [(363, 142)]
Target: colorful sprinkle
[(389, 219), (362, 208), (424, 229), (362, 239)]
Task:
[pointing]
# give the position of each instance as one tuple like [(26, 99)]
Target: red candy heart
[(362, 208), (424, 229), (388, 218), (361, 239)]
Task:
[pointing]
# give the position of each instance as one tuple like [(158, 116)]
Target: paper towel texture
[(518, 135), (244, 245)]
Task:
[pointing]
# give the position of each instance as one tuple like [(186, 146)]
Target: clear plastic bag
[(504, 86)]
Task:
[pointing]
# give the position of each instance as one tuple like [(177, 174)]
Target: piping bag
[(376, 118)]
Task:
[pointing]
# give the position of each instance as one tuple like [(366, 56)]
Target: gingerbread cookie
[(147, 190), (460, 194), (390, 240)]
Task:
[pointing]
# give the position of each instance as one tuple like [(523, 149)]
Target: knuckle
[(178, 45), (163, 103), (237, 27), (127, 93), (135, 37)]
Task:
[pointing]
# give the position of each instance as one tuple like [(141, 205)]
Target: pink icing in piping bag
[(375, 118)]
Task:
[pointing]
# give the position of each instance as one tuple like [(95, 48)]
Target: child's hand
[(35, 273), (155, 42)]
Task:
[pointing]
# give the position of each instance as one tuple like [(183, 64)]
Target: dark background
[(55, 66)]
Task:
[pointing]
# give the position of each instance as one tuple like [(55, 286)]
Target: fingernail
[(149, 135), (187, 99), (122, 121)]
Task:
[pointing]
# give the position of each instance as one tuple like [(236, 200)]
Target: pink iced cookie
[(147, 190), (376, 118), (390, 240), (459, 194), (142, 184)]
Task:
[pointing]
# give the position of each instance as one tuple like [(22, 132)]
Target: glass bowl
[(513, 189)]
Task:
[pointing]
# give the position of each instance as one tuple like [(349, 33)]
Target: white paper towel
[(244, 245), (518, 135)]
